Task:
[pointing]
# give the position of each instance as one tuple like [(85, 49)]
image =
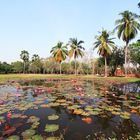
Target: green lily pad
[(28, 133), (51, 127), (37, 137), (14, 137), (53, 138), (53, 117), (115, 113), (125, 115)]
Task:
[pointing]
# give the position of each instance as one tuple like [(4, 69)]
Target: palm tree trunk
[(75, 67), (24, 68), (126, 53), (60, 68), (105, 67)]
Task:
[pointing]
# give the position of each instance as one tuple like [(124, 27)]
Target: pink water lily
[(9, 114)]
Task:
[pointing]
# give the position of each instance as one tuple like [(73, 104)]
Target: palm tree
[(139, 5), (35, 57), (76, 49), (59, 53), (25, 57), (104, 44), (127, 28)]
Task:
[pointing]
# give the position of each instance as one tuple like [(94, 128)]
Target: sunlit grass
[(6, 77)]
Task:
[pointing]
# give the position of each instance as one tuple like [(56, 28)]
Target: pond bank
[(13, 77)]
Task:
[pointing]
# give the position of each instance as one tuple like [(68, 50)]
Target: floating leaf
[(51, 127), (14, 137), (37, 137), (53, 138), (125, 115), (53, 117), (28, 133)]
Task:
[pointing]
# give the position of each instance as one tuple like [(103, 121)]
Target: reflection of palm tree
[(25, 57), (103, 43), (76, 49), (127, 28), (59, 52)]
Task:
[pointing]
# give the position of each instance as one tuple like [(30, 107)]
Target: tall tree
[(116, 59), (59, 52), (35, 57), (25, 57), (127, 28), (139, 5), (36, 64), (76, 49), (104, 44)]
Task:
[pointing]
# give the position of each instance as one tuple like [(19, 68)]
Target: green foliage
[(86, 69), (127, 27), (135, 52), (104, 44), (5, 68), (116, 59), (59, 52), (76, 50), (35, 57), (17, 67), (36, 64), (25, 57)]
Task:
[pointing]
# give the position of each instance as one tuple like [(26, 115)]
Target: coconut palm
[(25, 57), (127, 28), (76, 49), (59, 53), (104, 44)]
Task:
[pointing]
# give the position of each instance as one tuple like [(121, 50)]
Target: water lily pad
[(61, 101), (14, 137), (125, 115), (53, 138), (78, 111), (28, 133), (53, 117), (94, 112), (37, 137), (115, 113), (51, 127)]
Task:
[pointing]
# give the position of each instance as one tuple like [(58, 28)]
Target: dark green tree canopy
[(24, 56), (35, 57)]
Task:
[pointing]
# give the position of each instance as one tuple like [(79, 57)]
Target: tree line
[(64, 56)]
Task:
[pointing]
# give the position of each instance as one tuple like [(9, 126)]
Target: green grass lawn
[(6, 77)]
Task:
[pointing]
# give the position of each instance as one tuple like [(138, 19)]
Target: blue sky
[(37, 25)]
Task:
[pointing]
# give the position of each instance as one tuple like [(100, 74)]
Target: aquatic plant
[(51, 127)]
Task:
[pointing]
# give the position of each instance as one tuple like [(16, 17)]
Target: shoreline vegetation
[(16, 77)]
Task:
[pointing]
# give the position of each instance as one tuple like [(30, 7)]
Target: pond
[(69, 110)]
